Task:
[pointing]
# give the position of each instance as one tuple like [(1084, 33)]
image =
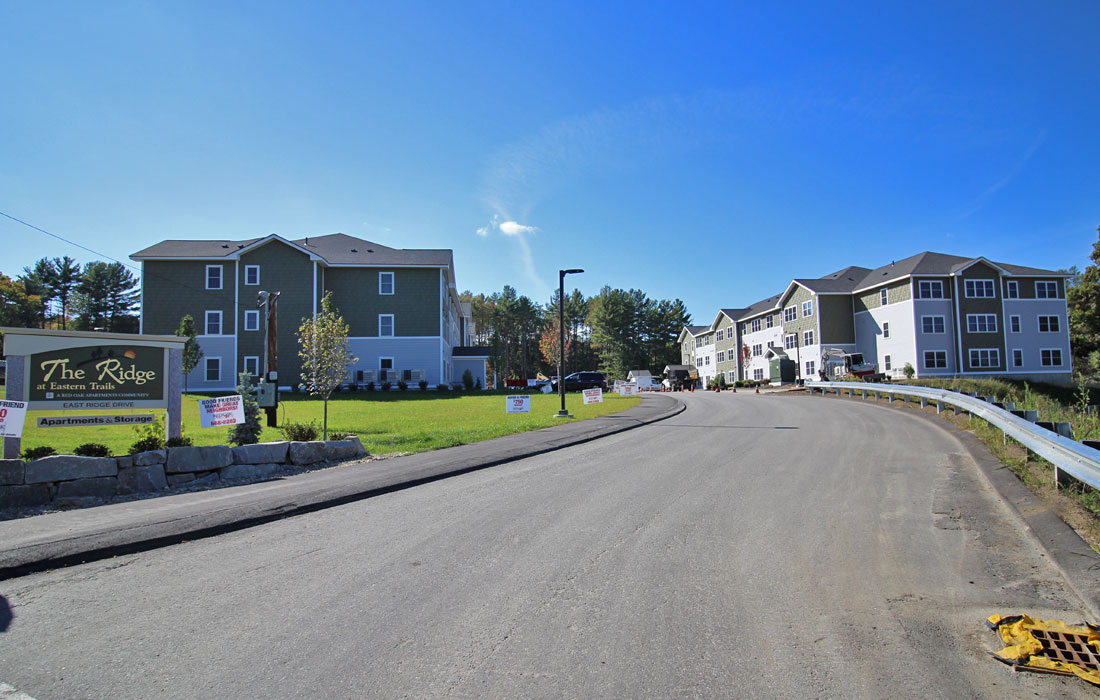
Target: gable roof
[(769, 304), (731, 314), (929, 263)]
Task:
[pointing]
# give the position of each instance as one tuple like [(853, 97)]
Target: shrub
[(386, 386), (92, 449), (38, 453), (441, 387), (147, 444), (908, 371), (333, 435), (722, 381), (300, 432), (402, 385), (468, 380), (247, 433), (477, 385), (423, 384), (182, 441), (370, 386)]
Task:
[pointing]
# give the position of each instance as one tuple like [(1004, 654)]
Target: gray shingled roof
[(760, 307), (929, 263), (840, 281)]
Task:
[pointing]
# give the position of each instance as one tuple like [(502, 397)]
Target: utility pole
[(269, 384)]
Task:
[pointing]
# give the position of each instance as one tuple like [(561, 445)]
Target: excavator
[(836, 363)]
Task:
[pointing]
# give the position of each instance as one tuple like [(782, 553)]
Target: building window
[(979, 289), (721, 355), (385, 325), (252, 365), (757, 350), (1017, 357), (252, 320), (930, 289), (807, 338), (213, 276), (252, 274), (1050, 357), (789, 314), (807, 308), (884, 296), (213, 323), (1048, 324), (755, 325), (732, 377), (721, 334), (385, 283), (810, 366), (790, 341), (213, 369), (1012, 289), (1013, 324), (985, 358), (885, 329), (981, 323), (1046, 290), (758, 375), (706, 361), (932, 324), (769, 321), (886, 363), (935, 359)]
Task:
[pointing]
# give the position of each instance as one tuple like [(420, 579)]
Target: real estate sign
[(12, 416), (593, 396), (518, 404), (223, 410), (99, 376)]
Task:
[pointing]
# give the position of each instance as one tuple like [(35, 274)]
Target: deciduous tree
[(323, 348)]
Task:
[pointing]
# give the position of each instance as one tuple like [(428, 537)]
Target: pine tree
[(247, 433)]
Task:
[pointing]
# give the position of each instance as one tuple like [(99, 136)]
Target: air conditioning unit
[(416, 375), (366, 375), (386, 375)]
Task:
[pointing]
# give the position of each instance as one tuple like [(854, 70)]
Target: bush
[(248, 432), (402, 385), (477, 385), (386, 386), (182, 441), (423, 384), (300, 432), (147, 444), (442, 387), (92, 449), (370, 386), (909, 371), (333, 435), (468, 380), (38, 453)]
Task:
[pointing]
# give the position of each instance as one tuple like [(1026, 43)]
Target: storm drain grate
[(1068, 647), (1048, 646)]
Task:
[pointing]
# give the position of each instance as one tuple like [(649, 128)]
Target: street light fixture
[(561, 339)]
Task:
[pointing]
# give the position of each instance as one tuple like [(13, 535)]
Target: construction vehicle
[(836, 364)]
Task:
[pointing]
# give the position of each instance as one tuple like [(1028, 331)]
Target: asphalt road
[(751, 547)]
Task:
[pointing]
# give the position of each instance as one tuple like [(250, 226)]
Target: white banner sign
[(518, 404), (12, 416), (593, 396), (224, 410), (628, 389), (80, 421)]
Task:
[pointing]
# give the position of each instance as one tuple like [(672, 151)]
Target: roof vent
[(354, 250), (370, 250), (239, 246), (225, 245), (307, 240)]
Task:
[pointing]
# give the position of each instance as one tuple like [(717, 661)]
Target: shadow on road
[(5, 614), (732, 427)]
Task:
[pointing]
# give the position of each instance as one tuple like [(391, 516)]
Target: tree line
[(614, 332), (60, 293)]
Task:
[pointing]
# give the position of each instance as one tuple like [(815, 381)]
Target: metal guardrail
[(1070, 456)]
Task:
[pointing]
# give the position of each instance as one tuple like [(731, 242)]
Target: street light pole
[(561, 339)]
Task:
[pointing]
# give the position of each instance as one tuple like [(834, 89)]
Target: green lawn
[(386, 422)]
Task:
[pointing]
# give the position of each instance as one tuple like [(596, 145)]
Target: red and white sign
[(628, 389), (12, 416), (223, 410), (518, 404), (593, 396)]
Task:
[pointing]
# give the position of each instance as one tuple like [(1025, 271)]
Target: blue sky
[(707, 152)]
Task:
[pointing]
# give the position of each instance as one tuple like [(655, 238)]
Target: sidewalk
[(62, 539)]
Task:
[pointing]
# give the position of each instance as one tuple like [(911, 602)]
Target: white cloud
[(512, 228), (483, 231)]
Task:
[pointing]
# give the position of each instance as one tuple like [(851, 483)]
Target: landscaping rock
[(206, 480), (26, 496), (196, 459), (250, 472), (69, 467), (302, 453), (344, 449), (83, 489), (177, 479), (145, 459), (141, 479), (11, 471), (125, 462), (261, 453)]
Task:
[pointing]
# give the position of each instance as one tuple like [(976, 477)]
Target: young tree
[(247, 433), (323, 347), (192, 352)]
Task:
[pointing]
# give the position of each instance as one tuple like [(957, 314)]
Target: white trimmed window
[(721, 334), (1048, 324), (885, 329), (757, 350), (252, 365), (935, 359), (721, 355), (790, 313), (884, 296), (811, 365), (755, 325), (979, 289), (981, 323), (930, 289), (385, 325), (213, 276), (252, 275), (790, 341), (807, 338), (1012, 289), (732, 377), (213, 369), (252, 320), (985, 358), (213, 323), (1017, 357), (758, 375), (932, 324), (1050, 357), (769, 321), (1046, 290), (886, 363), (1014, 324), (807, 308), (385, 283)]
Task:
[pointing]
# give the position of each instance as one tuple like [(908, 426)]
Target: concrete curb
[(1070, 555), (56, 540)]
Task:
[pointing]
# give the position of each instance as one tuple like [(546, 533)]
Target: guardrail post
[(939, 407), (923, 402)]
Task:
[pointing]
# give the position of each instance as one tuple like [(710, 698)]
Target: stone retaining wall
[(70, 481)]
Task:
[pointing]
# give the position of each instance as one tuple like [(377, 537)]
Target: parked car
[(583, 380)]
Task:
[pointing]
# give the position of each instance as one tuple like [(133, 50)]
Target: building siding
[(837, 321), (180, 289)]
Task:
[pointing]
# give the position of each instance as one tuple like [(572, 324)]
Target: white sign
[(518, 404), (628, 389), (593, 396), (12, 416), (74, 421), (224, 410)]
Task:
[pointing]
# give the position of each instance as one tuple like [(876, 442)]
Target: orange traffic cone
[(758, 390)]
